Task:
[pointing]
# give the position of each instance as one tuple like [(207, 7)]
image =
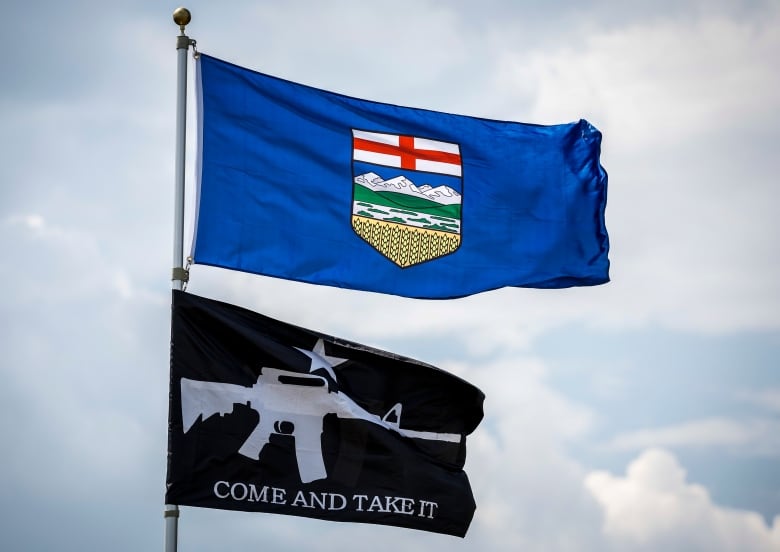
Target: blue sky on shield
[(640, 415)]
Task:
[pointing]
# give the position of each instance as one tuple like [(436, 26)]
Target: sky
[(639, 415)]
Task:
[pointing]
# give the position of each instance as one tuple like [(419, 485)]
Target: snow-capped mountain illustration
[(443, 195)]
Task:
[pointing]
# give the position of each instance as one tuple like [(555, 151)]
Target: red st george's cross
[(406, 152)]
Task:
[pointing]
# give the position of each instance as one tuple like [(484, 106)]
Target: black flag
[(270, 417)]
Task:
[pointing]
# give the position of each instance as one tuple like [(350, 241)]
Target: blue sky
[(640, 415)]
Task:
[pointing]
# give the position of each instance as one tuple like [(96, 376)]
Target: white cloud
[(689, 109), (654, 508), (523, 480), (84, 352), (57, 263), (768, 399), (40, 228), (407, 52), (658, 83), (757, 436)]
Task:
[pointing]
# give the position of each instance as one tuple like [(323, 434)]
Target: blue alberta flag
[(308, 185)]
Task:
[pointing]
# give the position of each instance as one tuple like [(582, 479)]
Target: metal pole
[(171, 527), (181, 16)]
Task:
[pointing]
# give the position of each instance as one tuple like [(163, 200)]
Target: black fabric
[(374, 474)]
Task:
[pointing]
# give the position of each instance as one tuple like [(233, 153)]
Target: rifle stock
[(206, 398)]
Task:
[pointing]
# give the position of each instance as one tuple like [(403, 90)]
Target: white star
[(320, 360)]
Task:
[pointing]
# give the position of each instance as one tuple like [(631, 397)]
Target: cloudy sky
[(640, 415)]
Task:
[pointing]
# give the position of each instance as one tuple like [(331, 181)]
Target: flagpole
[(181, 16)]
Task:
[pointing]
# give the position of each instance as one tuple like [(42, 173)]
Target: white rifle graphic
[(289, 403)]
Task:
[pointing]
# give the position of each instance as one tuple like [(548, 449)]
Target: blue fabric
[(276, 191)]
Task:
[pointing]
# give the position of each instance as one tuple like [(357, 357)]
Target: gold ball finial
[(181, 16)]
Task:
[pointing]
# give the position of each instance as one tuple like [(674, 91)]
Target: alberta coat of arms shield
[(407, 195)]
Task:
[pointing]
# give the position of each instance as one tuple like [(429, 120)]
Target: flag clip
[(171, 513), (183, 42), (181, 274)]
